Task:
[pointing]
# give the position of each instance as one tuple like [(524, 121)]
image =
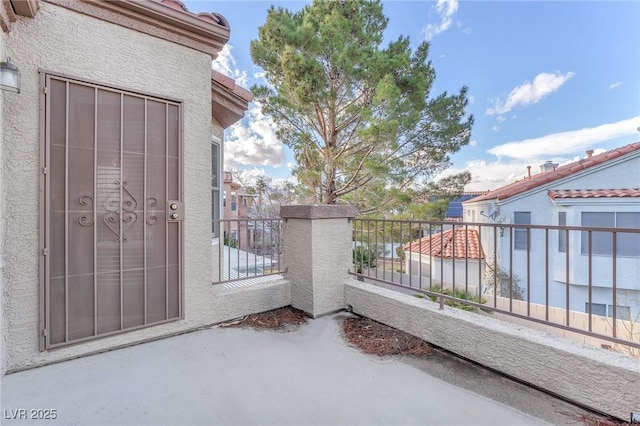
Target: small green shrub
[(233, 243), (459, 294), (363, 258)]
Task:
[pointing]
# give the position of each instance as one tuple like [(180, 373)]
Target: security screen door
[(112, 211)]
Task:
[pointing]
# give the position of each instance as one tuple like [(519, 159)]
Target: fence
[(246, 249), (579, 282)]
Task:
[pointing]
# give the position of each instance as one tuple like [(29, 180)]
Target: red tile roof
[(542, 178), (467, 245), (594, 193), (213, 18)]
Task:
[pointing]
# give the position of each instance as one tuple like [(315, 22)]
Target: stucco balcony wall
[(605, 381)]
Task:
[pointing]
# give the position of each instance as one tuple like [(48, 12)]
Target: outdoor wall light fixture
[(9, 77)]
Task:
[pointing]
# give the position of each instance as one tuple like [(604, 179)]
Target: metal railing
[(514, 272), (244, 249)]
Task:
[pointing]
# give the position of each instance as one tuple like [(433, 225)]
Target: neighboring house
[(597, 191), (236, 206), (105, 208), (447, 257)]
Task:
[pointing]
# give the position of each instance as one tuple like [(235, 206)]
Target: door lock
[(175, 210)]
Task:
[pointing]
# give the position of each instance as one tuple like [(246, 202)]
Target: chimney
[(529, 171), (548, 166), (589, 153)]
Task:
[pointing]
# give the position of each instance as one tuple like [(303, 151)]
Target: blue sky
[(548, 80)]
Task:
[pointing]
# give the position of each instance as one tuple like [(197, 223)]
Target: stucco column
[(318, 255)]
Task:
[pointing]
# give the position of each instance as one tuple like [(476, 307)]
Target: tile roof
[(595, 193), (444, 243), (542, 178), (214, 18)]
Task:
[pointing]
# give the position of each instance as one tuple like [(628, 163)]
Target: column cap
[(318, 211)]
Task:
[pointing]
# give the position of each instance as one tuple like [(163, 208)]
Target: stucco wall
[(62, 41), (2, 204), (440, 269), (317, 254), (603, 380)]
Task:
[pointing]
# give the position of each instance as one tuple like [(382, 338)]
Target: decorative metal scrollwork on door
[(120, 206)]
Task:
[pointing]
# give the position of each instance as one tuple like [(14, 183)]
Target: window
[(520, 235), (234, 204), (562, 234), (628, 244), (596, 309), (622, 312), (215, 188)]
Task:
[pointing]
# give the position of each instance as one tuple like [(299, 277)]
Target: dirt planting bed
[(283, 319), (378, 339)]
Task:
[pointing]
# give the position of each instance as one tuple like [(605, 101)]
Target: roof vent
[(548, 166), (589, 153)]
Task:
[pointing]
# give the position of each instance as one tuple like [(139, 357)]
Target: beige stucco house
[(107, 159)]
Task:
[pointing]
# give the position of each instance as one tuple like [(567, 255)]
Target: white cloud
[(473, 142), (489, 175), (614, 85), (496, 128), (445, 9), (225, 63), (566, 142), (530, 93), (514, 157), (472, 99), (501, 119), (249, 177), (253, 141)]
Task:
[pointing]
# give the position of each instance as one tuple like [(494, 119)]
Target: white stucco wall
[(442, 270), (62, 41), (603, 380)]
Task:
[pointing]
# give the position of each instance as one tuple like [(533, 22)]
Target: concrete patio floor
[(242, 377)]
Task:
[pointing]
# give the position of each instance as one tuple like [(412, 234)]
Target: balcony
[(242, 376), (324, 261)]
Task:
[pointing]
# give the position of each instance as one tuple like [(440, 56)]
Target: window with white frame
[(627, 243), (520, 235)]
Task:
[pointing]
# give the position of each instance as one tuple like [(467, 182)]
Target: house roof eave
[(166, 19), (228, 100)]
